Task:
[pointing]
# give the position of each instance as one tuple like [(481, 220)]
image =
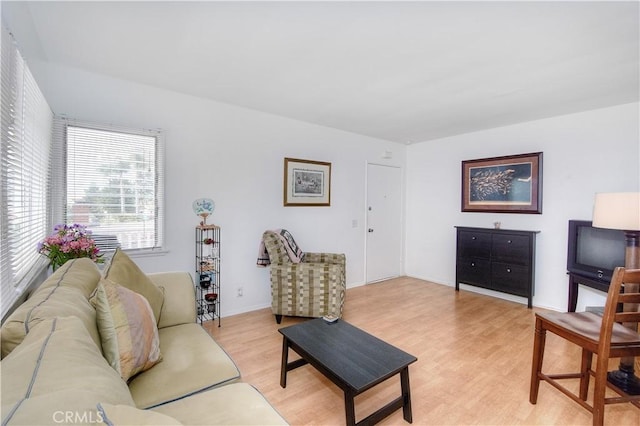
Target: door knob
[(370, 229)]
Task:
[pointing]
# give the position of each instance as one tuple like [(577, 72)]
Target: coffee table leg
[(285, 359), (406, 395), (349, 408)]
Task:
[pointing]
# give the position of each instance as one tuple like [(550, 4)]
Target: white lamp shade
[(617, 210)]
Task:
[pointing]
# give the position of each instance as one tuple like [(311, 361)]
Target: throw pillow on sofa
[(128, 329), (123, 271)]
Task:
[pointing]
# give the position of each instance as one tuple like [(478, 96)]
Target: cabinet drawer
[(511, 249), (511, 278), (474, 244), (474, 271)]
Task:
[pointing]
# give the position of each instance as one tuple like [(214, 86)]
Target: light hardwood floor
[(474, 360)]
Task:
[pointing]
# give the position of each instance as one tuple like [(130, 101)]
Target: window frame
[(61, 125)]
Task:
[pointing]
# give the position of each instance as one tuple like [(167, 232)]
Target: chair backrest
[(624, 289), (275, 247)]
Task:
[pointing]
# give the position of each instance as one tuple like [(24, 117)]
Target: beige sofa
[(54, 370)]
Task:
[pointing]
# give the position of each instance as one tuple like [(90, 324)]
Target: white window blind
[(114, 184), (26, 131)]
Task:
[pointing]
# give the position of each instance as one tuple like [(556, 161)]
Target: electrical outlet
[(239, 292)]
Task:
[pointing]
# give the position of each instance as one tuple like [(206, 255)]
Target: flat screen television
[(594, 252)]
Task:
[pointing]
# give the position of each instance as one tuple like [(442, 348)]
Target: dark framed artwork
[(511, 184), (306, 183)]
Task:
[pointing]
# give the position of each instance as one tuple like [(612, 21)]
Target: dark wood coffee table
[(352, 359)]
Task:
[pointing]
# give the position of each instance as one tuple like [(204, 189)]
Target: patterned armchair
[(312, 288)]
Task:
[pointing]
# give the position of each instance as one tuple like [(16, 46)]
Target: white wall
[(585, 153), (234, 156)]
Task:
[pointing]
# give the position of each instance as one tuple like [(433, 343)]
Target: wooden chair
[(604, 336)]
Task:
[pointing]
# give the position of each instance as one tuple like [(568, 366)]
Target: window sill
[(147, 252)]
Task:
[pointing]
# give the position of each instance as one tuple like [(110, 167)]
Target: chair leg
[(278, 318), (536, 365), (587, 358), (598, 401), (599, 390)]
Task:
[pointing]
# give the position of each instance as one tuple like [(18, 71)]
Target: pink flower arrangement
[(69, 242)]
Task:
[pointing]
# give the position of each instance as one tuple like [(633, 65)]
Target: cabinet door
[(474, 244), (509, 248), (474, 271), (511, 278)]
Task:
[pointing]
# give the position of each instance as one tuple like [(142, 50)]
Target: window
[(114, 184), (26, 126)]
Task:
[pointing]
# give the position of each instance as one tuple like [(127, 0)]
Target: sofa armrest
[(303, 271), (179, 305), (306, 267), (337, 258)]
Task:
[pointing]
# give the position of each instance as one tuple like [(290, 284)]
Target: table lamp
[(621, 210)]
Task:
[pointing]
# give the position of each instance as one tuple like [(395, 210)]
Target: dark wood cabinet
[(496, 259)]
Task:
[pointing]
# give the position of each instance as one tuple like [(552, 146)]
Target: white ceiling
[(401, 71)]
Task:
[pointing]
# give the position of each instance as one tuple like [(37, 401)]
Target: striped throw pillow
[(128, 329)]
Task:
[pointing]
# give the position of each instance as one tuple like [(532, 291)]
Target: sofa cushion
[(57, 372), (110, 414), (64, 293), (234, 404), (128, 330), (192, 362), (179, 305), (122, 270)]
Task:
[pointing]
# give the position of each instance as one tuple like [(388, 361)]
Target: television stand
[(574, 280)]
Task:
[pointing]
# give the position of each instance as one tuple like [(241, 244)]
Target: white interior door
[(384, 222)]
